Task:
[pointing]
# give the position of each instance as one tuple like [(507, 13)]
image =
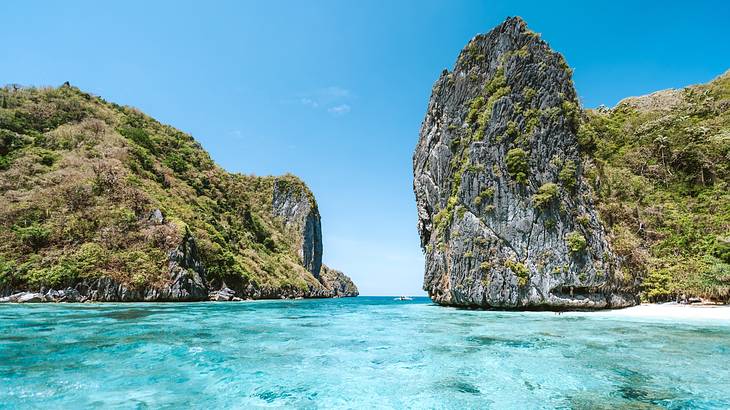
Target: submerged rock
[(505, 217)]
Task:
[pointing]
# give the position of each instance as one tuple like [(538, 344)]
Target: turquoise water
[(352, 353)]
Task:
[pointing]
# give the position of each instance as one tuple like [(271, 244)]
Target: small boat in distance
[(403, 298)]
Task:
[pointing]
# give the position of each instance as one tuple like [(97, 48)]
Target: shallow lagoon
[(357, 352)]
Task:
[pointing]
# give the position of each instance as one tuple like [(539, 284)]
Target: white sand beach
[(670, 311)]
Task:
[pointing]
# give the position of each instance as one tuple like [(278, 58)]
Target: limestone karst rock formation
[(505, 217)]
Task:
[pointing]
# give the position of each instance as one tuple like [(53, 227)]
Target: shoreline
[(666, 311)]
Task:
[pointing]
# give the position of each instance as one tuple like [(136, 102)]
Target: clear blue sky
[(335, 91)]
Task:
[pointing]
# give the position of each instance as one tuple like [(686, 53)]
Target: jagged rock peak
[(504, 215)]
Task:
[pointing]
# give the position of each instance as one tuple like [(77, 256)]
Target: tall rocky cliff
[(298, 210), (505, 216), (101, 202)]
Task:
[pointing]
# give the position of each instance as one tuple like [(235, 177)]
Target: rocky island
[(525, 201), (103, 203)]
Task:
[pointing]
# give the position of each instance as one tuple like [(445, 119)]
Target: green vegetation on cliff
[(81, 180), (661, 168)]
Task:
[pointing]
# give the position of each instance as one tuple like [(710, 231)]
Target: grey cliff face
[(504, 215), (299, 212)]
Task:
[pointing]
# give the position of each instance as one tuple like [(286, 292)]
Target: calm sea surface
[(365, 352)]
